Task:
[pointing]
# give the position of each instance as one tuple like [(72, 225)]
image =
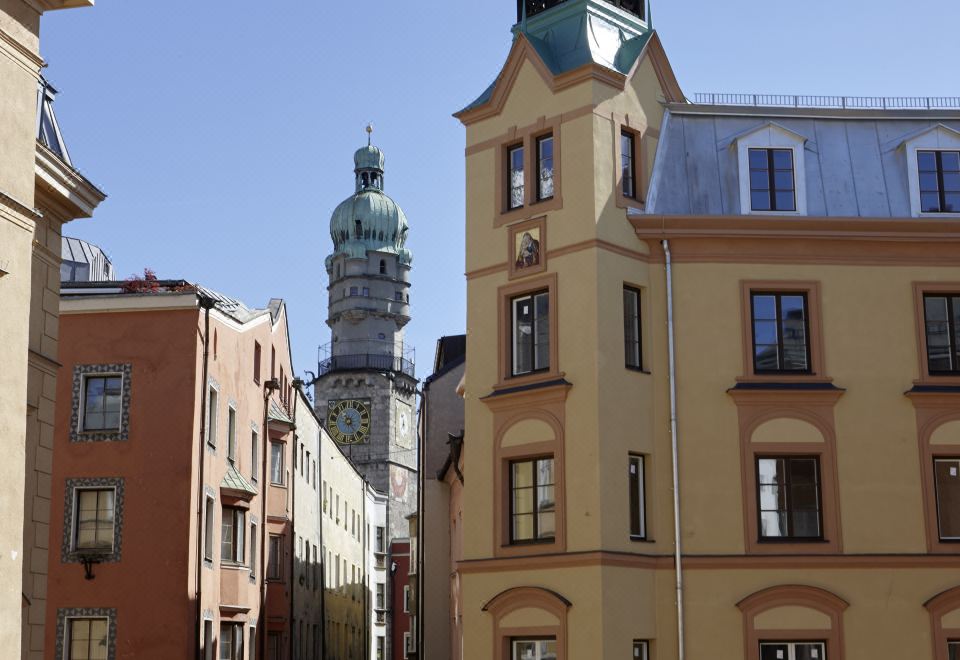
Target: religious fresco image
[(528, 248)]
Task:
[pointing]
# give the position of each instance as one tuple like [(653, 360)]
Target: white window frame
[(937, 138), (792, 648), (772, 136), (515, 642), (936, 494), (283, 464), (76, 520), (68, 631), (531, 299), (213, 413), (641, 649), (406, 599), (209, 507), (238, 527), (638, 462), (232, 432), (406, 644)]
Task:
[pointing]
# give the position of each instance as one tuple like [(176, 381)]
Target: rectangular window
[(627, 169), (253, 643), (545, 167), (276, 463), (941, 315), (947, 480), (398, 296), (939, 181), (532, 503), (95, 519), (531, 333), (274, 647), (772, 185), (633, 356), (406, 599), (213, 402), (789, 498), (406, 644), (102, 403), (256, 362), (953, 651), (638, 504), (207, 639), (273, 362), (380, 598), (87, 638), (781, 330), (231, 641), (380, 539), (641, 650), (515, 181), (533, 649), (232, 527), (231, 434), (382, 643), (274, 558), (793, 651), (208, 530), (354, 291), (253, 552), (254, 455)]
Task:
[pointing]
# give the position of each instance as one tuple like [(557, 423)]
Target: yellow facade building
[(752, 304)]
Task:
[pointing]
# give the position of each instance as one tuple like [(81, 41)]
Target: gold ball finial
[(369, 133)]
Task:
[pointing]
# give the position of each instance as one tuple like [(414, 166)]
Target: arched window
[(788, 620), (529, 619), (358, 231), (364, 179), (383, 267)]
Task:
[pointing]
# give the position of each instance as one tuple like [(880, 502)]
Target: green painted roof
[(580, 32), (277, 414), (235, 481)]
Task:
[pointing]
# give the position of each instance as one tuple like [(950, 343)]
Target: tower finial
[(369, 133)]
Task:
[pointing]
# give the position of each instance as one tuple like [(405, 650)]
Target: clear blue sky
[(223, 131)]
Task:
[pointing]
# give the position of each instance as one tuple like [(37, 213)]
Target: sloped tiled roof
[(235, 481), (277, 414)]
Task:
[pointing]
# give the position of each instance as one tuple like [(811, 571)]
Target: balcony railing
[(361, 354), (534, 7), (832, 102)]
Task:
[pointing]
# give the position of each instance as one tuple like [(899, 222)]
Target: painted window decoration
[(532, 501), (531, 333), (515, 177), (633, 357), (545, 167), (789, 498), (793, 650), (93, 519), (86, 633), (641, 650), (627, 168), (231, 641), (941, 315), (638, 518), (772, 186), (780, 332), (947, 481), (939, 181), (527, 248), (276, 463), (232, 527), (534, 649), (101, 403)]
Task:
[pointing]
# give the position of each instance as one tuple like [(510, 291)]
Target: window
[(233, 525), (208, 529), (772, 185), (627, 168), (231, 641), (939, 181), (354, 291), (953, 650), (406, 644), (515, 177), (633, 354), (532, 503), (213, 402), (789, 498), (207, 639), (638, 515), (398, 296), (533, 649), (941, 315), (793, 651), (531, 333), (380, 539), (406, 599), (947, 481), (254, 455), (256, 362), (382, 643), (545, 167), (383, 267), (273, 362), (231, 434), (274, 558), (95, 519), (780, 332), (102, 403), (253, 643), (276, 463), (379, 602), (87, 638), (274, 646), (253, 555), (366, 292), (641, 650)]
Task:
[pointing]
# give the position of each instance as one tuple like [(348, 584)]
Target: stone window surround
[(511, 600), (209, 494), (919, 290), (68, 553), (527, 138), (65, 614), (807, 597), (506, 295), (940, 605), (80, 374)]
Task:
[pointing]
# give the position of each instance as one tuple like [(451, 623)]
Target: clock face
[(404, 425), (348, 421)]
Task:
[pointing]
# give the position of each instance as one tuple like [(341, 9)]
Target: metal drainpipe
[(205, 304), (268, 388), (678, 557), (421, 510), (323, 554), (363, 579), (294, 638)]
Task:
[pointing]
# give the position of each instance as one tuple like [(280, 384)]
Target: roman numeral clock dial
[(348, 421)]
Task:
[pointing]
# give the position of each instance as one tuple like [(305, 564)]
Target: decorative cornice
[(24, 52), (76, 196)]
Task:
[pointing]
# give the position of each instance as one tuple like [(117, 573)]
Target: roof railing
[(831, 102)]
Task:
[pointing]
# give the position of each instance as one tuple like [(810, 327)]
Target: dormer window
[(771, 167), (772, 185), (939, 174)]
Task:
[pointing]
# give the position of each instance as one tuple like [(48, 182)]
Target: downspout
[(205, 303), (367, 613), (269, 387), (421, 521), (294, 638), (323, 555), (678, 557)]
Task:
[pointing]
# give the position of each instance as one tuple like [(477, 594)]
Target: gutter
[(674, 444)]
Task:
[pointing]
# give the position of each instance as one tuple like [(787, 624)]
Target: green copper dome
[(368, 220)]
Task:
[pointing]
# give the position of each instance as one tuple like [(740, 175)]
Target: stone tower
[(365, 388)]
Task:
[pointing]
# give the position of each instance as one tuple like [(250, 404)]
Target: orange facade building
[(173, 421)]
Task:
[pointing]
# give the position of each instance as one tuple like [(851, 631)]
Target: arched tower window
[(383, 267), (358, 231), (364, 179)]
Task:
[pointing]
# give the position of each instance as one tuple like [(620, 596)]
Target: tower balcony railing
[(366, 354), (831, 102)]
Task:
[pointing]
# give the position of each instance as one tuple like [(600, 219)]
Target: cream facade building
[(738, 318), (39, 191)]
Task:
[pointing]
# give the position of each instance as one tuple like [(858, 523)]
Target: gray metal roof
[(853, 164)]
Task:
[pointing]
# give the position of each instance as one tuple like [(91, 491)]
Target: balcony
[(534, 7), (363, 355)]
